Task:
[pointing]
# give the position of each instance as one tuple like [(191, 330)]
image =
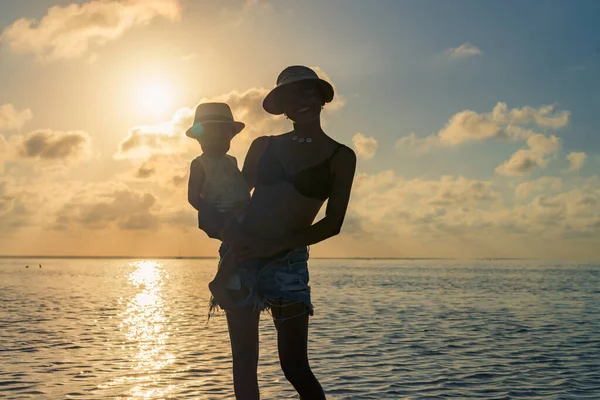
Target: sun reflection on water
[(145, 325)]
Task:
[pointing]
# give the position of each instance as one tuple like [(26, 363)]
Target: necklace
[(302, 139)]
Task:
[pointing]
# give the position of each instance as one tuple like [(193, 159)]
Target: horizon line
[(22, 256)]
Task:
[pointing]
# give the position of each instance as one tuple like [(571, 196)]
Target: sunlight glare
[(146, 323), (155, 97)]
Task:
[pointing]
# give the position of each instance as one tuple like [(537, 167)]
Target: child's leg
[(218, 286)]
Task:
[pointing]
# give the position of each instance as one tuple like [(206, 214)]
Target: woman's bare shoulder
[(259, 145), (344, 156)]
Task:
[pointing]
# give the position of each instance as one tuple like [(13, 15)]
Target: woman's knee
[(245, 353), (295, 368)]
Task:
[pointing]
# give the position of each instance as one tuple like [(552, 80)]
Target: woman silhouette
[(292, 174)]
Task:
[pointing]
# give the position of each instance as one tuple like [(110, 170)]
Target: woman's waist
[(267, 225), (272, 217), (293, 258)]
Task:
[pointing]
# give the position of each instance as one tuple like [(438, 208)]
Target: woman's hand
[(252, 247)]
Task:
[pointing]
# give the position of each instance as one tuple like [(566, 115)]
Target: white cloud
[(526, 160), (253, 11), (11, 118), (365, 146), (418, 144), (464, 50), (501, 123), (545, 184), (164, 138), (55, 148), (460, 217), (69, 31), (108, 205), (4, 152), (46, 144), (17, 208), (576, 160), (385, 201)]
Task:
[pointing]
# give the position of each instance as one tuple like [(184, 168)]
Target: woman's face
[(215, 139), (302, 101)]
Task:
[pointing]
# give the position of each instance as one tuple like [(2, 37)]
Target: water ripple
[(382, 330)]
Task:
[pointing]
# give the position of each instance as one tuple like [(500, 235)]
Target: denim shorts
[(279, 280)]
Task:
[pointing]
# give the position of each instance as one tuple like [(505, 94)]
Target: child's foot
[(221, 295)]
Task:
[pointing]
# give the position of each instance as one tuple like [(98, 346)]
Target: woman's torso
[(292, 182)]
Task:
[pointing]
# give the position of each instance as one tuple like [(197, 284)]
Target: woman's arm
[(344, 166), (195, 183)]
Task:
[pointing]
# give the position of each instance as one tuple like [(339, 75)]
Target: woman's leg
[(292, 344), (243, 332)]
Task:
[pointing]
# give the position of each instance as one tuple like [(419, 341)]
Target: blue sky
[(392, 66)]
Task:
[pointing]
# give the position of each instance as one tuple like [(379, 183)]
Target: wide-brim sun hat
[(213, 113), (295, 73)]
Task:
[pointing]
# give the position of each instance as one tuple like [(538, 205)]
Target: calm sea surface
[(136, 329)]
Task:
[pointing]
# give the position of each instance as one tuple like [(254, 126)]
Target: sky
[(475, 123)]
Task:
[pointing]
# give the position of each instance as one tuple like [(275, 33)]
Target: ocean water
[(397, 329)]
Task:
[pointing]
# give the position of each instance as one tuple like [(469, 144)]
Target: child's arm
[(206, 212), (195, 183)]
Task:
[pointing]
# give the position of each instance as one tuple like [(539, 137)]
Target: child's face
[(216, 139)]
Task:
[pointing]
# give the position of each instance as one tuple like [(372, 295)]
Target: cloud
[(576, 160), (108, 206), (145, 171), (51, 145), (421, 145), (253, 11), (545, 184), (168, 171), (68, 32), (526, 160), (460, 217), (4, 151), (17, 210), (464, 50), (501, 123), (365, 146), (386, 198), (11, 118), (164, 138)]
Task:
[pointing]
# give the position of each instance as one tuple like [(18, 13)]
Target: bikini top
[(313, 182)]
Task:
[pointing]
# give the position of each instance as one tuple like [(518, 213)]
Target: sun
[(155, 97)]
